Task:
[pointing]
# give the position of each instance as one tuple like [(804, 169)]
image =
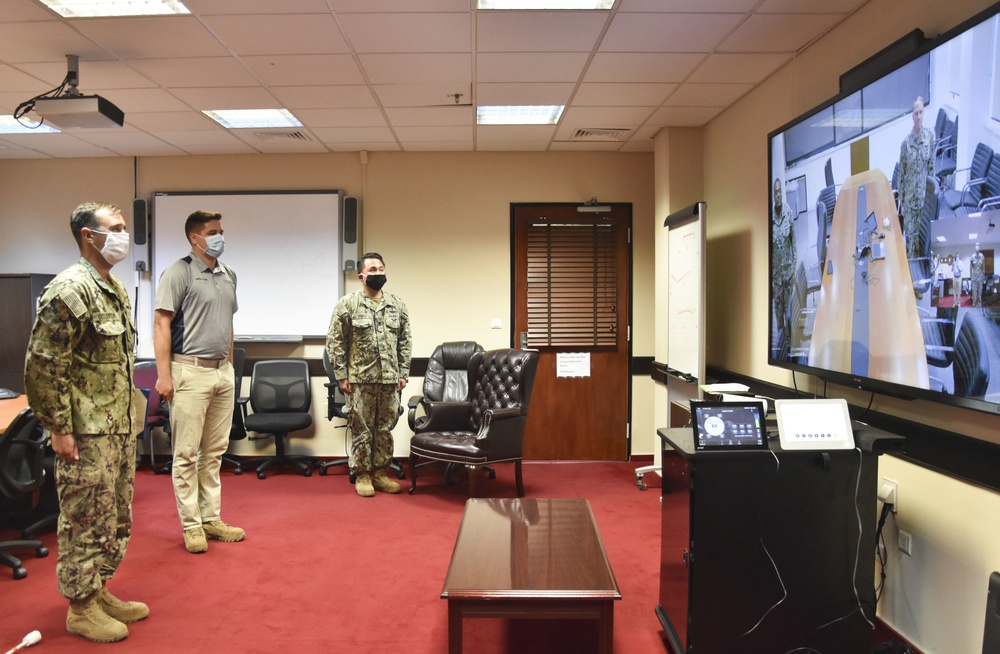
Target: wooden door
[(572, 289)]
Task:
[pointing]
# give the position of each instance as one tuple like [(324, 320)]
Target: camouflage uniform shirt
[(916, 162), (369, 340), (78, 370)]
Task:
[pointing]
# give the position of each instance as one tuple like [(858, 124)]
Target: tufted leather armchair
[(488, 427)]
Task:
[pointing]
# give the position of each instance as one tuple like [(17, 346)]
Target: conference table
[(530, 558), (9, 410)]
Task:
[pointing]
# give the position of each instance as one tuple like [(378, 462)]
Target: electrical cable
[(784, 589), (28, 105)]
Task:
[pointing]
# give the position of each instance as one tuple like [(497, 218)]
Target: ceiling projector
[(79, 112)]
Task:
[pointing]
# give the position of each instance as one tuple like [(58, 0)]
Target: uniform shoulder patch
[(74, 303)]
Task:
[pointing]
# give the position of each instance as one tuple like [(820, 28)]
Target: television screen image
[(884, 205)]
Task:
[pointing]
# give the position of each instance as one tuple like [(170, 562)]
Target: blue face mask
[(216, 245)]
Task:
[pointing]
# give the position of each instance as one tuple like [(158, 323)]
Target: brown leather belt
[(195, 361)]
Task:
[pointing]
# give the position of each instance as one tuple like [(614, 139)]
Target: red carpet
[(325, 570)]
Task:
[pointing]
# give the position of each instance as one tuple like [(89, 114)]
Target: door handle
[(524, 340)]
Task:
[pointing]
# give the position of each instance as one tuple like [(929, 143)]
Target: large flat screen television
[(884, 204)]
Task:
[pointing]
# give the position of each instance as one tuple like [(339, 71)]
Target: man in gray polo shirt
[(193, 342)]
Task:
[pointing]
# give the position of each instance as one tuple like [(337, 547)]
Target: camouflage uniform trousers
[(95, 512), (372, 411)]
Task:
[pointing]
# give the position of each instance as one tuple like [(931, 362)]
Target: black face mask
[(375, 282)]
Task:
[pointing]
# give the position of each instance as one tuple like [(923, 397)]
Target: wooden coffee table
[(529, 558)]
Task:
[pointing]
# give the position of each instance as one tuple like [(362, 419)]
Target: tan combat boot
[(363, 485), (382, 482), (121, 610), (85, 618), (220, 531), (194, 540)]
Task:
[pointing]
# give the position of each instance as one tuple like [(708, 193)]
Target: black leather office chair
[(22, 475), (335, 402), (238, 430), (972, 191), (825, 205), (971, 356), (157, 410), (446, 380), (486, 428), (280, 396)]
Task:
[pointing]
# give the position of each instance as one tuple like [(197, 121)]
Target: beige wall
[(442, 220), (936, 597)]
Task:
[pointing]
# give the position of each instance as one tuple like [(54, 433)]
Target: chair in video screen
[(280, 396), (22, 476), (446, 380), (972, 358), (971, 192), (989, 191), (486, 428)]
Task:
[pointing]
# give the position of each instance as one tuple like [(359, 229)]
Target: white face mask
[(115, 246)]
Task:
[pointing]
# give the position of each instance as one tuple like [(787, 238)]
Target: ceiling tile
[(778, 32), (59, 145), (393, 6), (27, 10), (515, 133), (434, 133), (683, 116), (354, 134), (432, 116), (668, 32), (531, 67), (172, 121), (707, 95), (46, 41), (130, 143), (204, 71), (268, 34), (810, 6), (341, 117), (304, 70), (145, 100), (609, 94), (676, 6), (422, 95), (319, 97), (152, 37), (521, 31), (406, 32), (752, 68), (641, 67), (209, 7), (227, 98), (529, 93), (417, 68), (14, 80)]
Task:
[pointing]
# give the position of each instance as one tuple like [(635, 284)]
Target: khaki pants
[(95, 512), (201, 416)]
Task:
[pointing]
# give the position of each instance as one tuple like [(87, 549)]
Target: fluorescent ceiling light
[(253, 118), (93, 8), (544, 4), (519, 115), (8, 125)]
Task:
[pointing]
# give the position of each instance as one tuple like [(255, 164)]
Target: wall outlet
[(888, 492), (905, 541)]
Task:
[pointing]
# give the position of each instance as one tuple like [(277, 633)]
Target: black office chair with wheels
[(238, 431), (157, 410), (280, 396), (335, 402), (971, 355), (446, 380), (22, 475)]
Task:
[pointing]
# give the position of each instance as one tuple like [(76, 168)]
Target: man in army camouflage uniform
[(916, 162), (369, 346), (977, 277), (783, 242), (78, 378)]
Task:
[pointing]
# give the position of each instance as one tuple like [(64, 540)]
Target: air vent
[(601, 134), (283, 136)]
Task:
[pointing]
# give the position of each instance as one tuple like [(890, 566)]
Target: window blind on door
[(572, 287)]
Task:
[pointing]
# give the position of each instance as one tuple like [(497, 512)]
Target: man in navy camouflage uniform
[(369, 345), (78, 378), (916, 162)]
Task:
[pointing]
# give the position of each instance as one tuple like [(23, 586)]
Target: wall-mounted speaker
[(140, 234), (351, 242)]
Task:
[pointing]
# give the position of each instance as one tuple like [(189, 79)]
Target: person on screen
[(783, 256), (78, 378), (956, 280), (916, 162), (193, 343), (977, 277), (369, 346)]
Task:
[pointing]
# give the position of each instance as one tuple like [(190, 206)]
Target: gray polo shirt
[(203, 301)]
